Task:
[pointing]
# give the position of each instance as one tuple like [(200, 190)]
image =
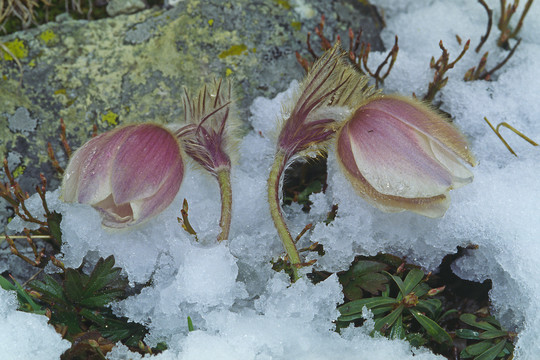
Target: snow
[(27, 336), (242, 309)]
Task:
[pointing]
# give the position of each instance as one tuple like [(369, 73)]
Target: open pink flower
[(401, 155), (129, 174)]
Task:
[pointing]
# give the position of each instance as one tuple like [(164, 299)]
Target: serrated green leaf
[(49, 288), (432, 328), (412, 279), (363, 267), (100, 300), (74, 285), (471, 320), (93, 316), (356, 306), (479, 348), (103, 275), (468, 334), (492, 352), (492, 334), (373, 283), (389, 319), (352, 291), (53, 222)]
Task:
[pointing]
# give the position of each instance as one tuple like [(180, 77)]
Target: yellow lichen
[(110, 118), (283, 3), (228, 72), (233, 51), (211, 22), (47, 36), (19, 171), (17, 48), (296, 25)]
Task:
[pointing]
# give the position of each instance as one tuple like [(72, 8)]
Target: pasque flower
[(399, 154), (326, 96), (209, 138), (129, 174)]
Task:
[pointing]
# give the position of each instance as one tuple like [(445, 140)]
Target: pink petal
[(93, 163), (142, 163), (434, 206), (393, 157), (153, 205), (424, 120)]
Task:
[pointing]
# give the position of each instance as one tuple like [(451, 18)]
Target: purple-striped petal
[(141, 163), (405, 160)]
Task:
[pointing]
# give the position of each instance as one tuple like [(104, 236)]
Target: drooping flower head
[(208, 138), (399, 154), (330, 90), (128, 174)]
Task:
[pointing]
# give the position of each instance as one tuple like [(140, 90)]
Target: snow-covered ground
[(242, 309)]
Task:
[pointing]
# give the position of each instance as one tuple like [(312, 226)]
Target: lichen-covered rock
[(132, 68)]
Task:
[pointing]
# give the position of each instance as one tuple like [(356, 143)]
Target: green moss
[(110, 118), (17, 48), (233, 51)]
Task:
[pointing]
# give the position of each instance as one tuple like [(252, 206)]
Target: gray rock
[(123, 7), (133, 68)]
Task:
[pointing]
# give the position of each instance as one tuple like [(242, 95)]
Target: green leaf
[(412, 279), (364, 275), (397, 331), (49, 288), (53, 222), (478, 348), (416, 339), (400, 285), (26, 303), (432, 328), (98, 289), (74, 285), (356, 306), (389, 319), (363, 267), (430, 306), (6, 284), (492, 334), (190, 324), (492, 352), (103, 275), (471, 320), (468, 334)]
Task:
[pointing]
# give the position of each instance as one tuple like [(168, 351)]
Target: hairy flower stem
[(224, 180), (276, 172)]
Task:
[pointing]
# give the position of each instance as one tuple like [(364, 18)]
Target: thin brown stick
[(490, 24)]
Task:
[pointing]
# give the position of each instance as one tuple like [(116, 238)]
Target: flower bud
[(128, 174), (401, 155)]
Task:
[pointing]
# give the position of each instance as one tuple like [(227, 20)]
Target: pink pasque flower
[(128, 174), (399, 154)]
